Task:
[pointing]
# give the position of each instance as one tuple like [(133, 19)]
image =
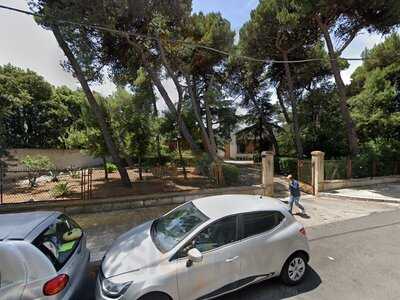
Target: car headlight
[(114, 290)]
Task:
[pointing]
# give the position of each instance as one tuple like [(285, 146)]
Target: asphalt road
[(353, 259)]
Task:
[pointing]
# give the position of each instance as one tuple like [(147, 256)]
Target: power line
[(194, 45)]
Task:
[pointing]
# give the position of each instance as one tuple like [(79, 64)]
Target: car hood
[(132, 251)]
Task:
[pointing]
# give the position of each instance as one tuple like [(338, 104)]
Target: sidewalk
[(103, 228), (389, 192)]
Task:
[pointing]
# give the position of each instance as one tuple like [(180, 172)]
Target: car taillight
[(303, 231), (55, 285)]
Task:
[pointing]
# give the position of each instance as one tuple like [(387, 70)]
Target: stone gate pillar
[(268, 172), (317, 165)]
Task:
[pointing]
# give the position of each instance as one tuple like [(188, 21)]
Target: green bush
[(286, 166), (231, 174), (335, 169), (111, 168), (36, 165), (61, 189)]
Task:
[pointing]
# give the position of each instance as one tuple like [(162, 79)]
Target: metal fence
[(299, 169), (285, 166), (304, 172), (23, 185), (360, 168)]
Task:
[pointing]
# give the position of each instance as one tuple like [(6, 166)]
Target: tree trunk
[(95, 107), (158, 146), (293, 102), (127, 160), (105, 168), (140, 167), (167, 99), (181, 158), (196, 108), (261, 142), (282, 104), (183, 128), (349, 123), (211, 136), (273, 139)]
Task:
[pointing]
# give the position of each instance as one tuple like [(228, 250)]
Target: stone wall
[(62, 159), (329, 185)]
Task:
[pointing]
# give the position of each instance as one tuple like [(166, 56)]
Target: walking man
[(294, 189)]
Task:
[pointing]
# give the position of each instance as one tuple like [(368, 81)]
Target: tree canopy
[(375, 87), (35, 114), (144, 47)]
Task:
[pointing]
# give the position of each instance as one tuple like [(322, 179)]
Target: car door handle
[(228, 260)]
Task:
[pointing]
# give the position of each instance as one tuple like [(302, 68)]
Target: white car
[(204, 249)]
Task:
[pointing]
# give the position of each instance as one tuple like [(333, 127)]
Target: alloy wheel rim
[(297, 268)]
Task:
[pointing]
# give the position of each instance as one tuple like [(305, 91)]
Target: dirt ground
[(19, 190)]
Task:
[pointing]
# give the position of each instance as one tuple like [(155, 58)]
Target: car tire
[(294, 269), (155, 296)]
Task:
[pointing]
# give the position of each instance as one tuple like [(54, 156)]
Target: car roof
[(18, 226), (216, 207)]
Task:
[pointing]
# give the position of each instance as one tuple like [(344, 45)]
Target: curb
[(352, 198)]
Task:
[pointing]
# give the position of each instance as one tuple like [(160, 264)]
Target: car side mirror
[(194, 256)]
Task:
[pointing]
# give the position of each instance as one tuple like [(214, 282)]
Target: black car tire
[(155, 296), (294, 270)]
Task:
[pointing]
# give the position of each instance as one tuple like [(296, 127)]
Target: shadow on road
[(304, 216), (274, 289)]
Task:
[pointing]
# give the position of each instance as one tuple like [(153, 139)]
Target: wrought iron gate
[(86, 184), (305, 175)]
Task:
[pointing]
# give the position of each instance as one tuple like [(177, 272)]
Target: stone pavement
[(389, 192), (103, 228)]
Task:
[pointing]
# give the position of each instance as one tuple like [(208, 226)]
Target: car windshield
[(172, 228)]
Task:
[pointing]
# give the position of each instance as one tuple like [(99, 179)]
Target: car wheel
[(294, 269)]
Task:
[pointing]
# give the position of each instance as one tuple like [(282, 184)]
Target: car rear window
[(259, 222), (59, 241)]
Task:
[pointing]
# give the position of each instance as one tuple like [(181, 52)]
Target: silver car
[(204, 249), (43, 255)]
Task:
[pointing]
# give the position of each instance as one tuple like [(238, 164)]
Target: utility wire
[(194, 45)]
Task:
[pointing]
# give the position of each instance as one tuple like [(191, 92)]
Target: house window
[(241, 146)]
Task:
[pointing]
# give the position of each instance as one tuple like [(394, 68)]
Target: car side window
[(215, 235), (59, 241), (259, 222)]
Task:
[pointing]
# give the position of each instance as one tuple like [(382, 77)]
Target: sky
[(24, 44)]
